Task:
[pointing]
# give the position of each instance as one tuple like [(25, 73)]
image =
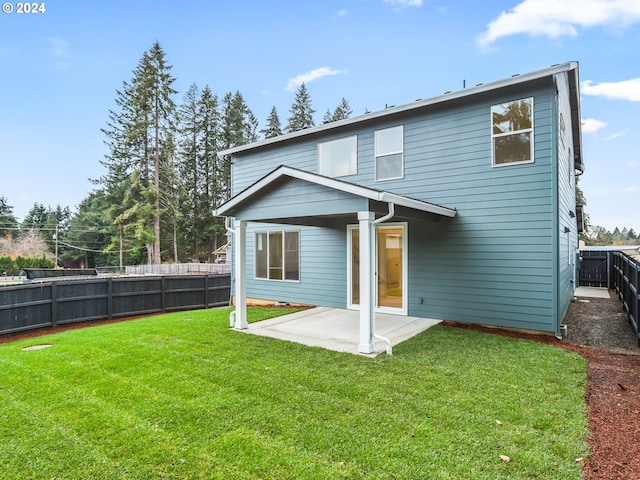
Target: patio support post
[(240, 268), (367, 284)]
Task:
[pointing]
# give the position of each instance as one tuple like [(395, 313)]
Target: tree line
[(163, 175)]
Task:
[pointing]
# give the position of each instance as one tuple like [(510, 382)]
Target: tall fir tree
[(8, 222), (273, 128), (301, 111), (200, 131), (342, 111), (139, 135)]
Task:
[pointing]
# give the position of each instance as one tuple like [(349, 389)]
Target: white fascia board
[(416, 204), (346, 187), (481, 88)]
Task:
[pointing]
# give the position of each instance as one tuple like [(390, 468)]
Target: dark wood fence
[(625, 282), (53, 303), (595, 268)]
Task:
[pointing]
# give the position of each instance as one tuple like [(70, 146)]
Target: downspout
[(232, 315), (388, 216)]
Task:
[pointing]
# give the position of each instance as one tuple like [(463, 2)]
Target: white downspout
[(229, 228), (388, 216)]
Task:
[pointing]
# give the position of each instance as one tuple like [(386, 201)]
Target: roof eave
[(481, 88)]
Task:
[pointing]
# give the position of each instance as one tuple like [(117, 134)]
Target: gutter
[(232, 315), (388, 216)]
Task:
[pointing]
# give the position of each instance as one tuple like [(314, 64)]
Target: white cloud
[(59, 47), (624, 90), (404, 3), (311, 76), (553, 18), (590, 125), (342, 13), (622, 133)]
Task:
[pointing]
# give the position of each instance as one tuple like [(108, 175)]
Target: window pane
[(275, 255), (512, 148), (389, 140), (291, 256), (355, 266), (338, 158), (389, 166), (512, 116), (261, 255)]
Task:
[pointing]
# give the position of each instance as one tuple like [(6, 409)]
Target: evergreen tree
[(274, 128), (8, 223), (198, 168), (139, 136), (89, 234), (328, 118), (239, 127), (36, 218), (342, 111), (301, 111)]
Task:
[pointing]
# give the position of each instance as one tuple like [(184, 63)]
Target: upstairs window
[(512, 132), (338, 158), (278, 255), (389, 153)]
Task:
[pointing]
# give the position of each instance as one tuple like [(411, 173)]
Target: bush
[(12, 267)]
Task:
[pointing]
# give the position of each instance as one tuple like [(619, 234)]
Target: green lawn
[(181, 396)]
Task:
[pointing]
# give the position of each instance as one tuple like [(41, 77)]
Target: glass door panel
[(390, 287)]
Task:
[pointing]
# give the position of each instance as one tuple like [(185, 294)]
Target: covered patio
[(276, 199), (338, 329)]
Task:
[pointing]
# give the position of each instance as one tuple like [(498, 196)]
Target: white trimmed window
[(389, 153), (338, 158), (512, 132), (278, 255)]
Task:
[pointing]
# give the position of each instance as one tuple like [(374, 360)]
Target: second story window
[(389, 153), (512, 132), (338, 158)]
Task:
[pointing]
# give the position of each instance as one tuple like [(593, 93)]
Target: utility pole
[(56, 237)]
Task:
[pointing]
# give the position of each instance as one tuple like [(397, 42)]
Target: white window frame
[(515, 132), (329, 166), (380, 155), (405, 269), (267, 234)]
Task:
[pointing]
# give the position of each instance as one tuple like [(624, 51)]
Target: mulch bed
[(598, 330)]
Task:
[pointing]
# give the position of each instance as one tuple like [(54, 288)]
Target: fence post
[(206, 291), (163, 299), (109, 298), (54, 304)]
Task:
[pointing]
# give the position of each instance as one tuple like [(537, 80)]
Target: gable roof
[(267, 181), (570, 67)]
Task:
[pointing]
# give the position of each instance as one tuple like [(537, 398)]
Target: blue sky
[(59, 71)]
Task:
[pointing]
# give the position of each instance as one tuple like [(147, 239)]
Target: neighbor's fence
[(53, 303), (178, 269), (625, 282)]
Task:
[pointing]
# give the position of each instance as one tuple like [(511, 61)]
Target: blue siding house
[(459, 207)]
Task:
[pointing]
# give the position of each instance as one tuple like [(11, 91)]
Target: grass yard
[(181, 396)]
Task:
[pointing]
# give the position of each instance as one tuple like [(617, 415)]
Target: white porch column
[(240, 269), (367, 285)]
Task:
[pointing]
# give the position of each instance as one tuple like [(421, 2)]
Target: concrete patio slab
[(592, 292), (337, 329)]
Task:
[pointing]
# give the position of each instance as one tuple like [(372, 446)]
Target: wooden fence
[(53, 303), (595, 268), (625, 282)]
